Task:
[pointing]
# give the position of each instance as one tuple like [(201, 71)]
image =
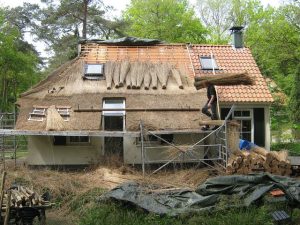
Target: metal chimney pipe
[(237, 34)]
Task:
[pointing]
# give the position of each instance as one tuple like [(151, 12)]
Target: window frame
[(94, 76), (70, 142), (38, 113), (244, 118), (204, 65), (64, 112)]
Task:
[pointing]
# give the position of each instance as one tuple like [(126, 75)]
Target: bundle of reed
[(24, 197), (109, 72), (153, 74), (147, 76), (140, 75), (163, 72), (177, 77), (124, 71), (54, 120), (116, 76), (224, 80), (133, 74), (259, 159)]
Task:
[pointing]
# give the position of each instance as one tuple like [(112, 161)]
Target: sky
[(119, 5)]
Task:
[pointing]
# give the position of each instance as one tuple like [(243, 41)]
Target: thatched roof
[(162, 76)]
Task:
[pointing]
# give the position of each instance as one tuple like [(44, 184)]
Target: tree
[(64, 22), (18, 64), (295, 98), (169, 20)]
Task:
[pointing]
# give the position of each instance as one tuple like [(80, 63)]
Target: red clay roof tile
[(232, 60)]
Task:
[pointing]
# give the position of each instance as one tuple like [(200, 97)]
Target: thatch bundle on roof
[(163, 72), (224, 80), (54, 121), (109, 71), (177, 77), (147, 77), (124, 69), (116, 77)]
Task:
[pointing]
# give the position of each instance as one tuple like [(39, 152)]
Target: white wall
[(43, 152)]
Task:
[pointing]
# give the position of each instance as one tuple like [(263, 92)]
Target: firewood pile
[(23, 196), (259, 160)]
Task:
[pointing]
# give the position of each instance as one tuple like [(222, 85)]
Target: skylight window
[(94, 71), (208, 63)]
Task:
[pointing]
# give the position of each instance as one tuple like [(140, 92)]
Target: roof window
[(208, 63), (94, 71), (38, 113)]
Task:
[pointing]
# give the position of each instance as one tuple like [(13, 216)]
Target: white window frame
[(108, 104), (38, 114), (213, 66), (64, 112), (250, 117), (94, 76)]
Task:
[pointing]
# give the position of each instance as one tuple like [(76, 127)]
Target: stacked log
[(23, 196), (259, 160)]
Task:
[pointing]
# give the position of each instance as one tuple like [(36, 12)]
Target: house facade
[(118, 86)]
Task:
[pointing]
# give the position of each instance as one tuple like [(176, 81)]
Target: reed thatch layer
[(68, 80), (92, 120), (224, 80), (54, 121)]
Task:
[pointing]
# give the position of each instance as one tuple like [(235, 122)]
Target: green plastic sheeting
[(249, 189)]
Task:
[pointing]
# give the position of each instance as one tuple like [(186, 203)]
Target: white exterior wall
[(43, 152), (266, 115), (160, 153)]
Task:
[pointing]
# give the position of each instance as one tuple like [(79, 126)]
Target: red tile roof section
[(230, 60)]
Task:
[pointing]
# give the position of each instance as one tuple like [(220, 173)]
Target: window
[(64, 112), (94, 71), (59, 140), (79, 139), (208, 63), (38, 113), (117, 104), (64, 140), (245, 118)]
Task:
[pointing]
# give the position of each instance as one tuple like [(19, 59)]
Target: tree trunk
[(85, 12)]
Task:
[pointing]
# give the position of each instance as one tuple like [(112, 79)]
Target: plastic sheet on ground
[(248, 188)]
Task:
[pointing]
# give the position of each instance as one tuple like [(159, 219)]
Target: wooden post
[(6, 220), (1, 189), (142, 148)]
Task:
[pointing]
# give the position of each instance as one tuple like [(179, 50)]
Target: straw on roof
[(54, 121)]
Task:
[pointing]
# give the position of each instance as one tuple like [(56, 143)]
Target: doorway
[(114, 121)]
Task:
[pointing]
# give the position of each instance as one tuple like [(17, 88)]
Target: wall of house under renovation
[(43, 152)]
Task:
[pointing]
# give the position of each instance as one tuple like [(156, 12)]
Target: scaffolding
[(210, 154), (199, 150), (8, 142)]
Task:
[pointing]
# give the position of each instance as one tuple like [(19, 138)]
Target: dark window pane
[(246, 125), (246, 113), (237, 113), (59, 140)]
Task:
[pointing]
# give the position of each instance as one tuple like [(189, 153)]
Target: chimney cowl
[(237, 34)]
